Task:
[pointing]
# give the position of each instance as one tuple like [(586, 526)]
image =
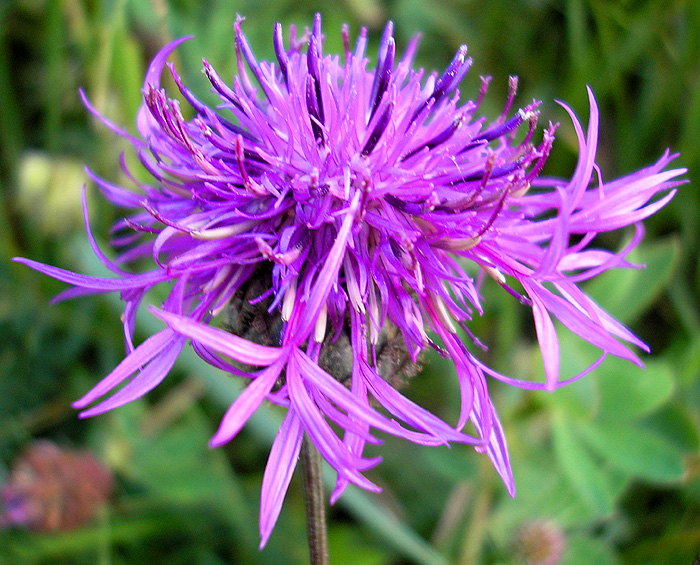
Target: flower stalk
[(315, 503)]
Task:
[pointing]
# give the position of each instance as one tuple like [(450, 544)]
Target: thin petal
[(149, 349), (238, 348), (145, 120), (278, 472), (328, 274), (149, 378), (549, 342), (246, 404), (97, 284)]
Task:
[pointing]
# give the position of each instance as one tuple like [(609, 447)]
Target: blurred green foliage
[(611, 461)]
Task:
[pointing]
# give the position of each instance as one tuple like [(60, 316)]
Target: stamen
[(532, 126), (313, 62), (289, 298), (494, 173), (242, 73), (316, 31), (512, 91), (457, 244), (440, 138), (511, 125), (482, 91), (494, 273), (454, 73), (280, 52), (382, 73), (193, 101), (378, 130), (384, 77), (221, 87), (543, 150), (243, 46), (441, 312), (223, 232), (254, 187), (321, 323), (345, 32), (361, 44), (412, 208), (313, 109)]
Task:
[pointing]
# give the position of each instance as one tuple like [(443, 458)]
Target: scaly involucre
[(368, 194)]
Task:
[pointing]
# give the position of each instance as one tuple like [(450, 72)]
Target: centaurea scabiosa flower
[(356, 199)]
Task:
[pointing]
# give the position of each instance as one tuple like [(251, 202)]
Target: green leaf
[(626, 392), (582, 550), (677, 423), (637, 450), (626, 293), (348, 545), (542, 492), (584, 473), (177, 463), (675, 546), (385, 525), (689, 358)]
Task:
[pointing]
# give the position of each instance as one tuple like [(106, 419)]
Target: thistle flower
[(355, 199)]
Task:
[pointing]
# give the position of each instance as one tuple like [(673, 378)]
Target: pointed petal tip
[(590, 93), (264, 536), (217, 440), (79, 404), (338, 491), (156, 67)]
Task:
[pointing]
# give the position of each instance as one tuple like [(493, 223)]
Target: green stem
[(315, 503)]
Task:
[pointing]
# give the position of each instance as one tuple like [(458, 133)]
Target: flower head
[(354, 198)]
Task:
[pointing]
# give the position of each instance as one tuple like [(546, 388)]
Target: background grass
[(611, 463)]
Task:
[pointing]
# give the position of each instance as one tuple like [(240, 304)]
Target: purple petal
[(97, 284), (143, 354), (240, 349), (278, 472), (322, 435), (246, 404), (150, 377), (496, 447), (327, 276), (549, 342), (145, 120)]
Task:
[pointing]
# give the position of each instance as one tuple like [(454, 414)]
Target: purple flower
[(354, 199)]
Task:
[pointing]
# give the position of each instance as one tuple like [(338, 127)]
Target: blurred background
[(607, 469)]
